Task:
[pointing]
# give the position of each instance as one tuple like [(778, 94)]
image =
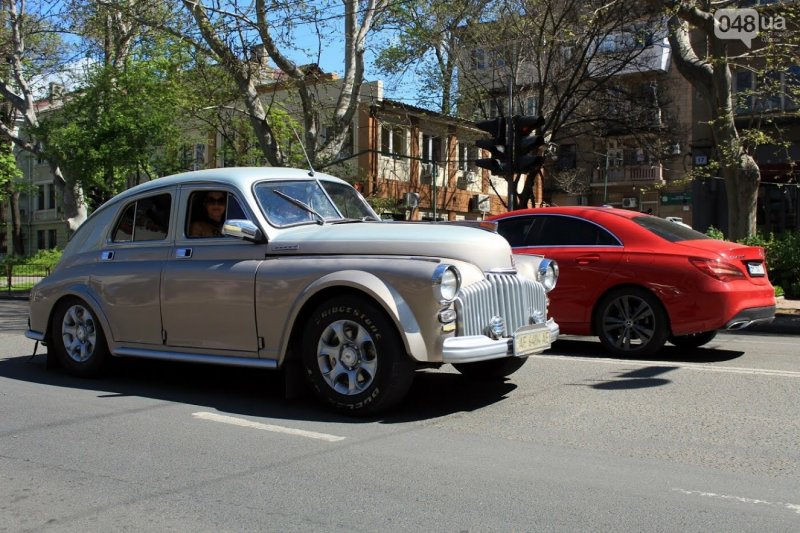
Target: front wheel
[(491, 370), (77, 339), (631, 322), (694, 340), (354, 357)]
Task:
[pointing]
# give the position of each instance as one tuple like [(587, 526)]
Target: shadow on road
[(589, 347), (254, 392)]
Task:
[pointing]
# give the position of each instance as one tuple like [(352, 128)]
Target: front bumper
[(475, 348)]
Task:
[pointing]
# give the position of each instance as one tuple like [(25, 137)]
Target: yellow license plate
[(531, 339)]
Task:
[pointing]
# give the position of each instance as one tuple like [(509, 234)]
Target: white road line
[(241, 422), (739, 499), (691, 366)]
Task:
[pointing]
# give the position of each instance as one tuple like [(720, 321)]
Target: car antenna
[(310, 168)]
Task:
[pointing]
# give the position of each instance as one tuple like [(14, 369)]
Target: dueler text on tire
[(630, 321), (491, 370), (77, 339), (354, 357)]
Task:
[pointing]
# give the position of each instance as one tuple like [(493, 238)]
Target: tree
[(563, 59), (707, 63), (30, 44), (242, 36), (425, 43)]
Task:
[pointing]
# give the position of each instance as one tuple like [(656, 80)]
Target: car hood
[(485, 249)]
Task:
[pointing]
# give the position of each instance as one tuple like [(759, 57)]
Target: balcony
[(629, 174), (45, 215)]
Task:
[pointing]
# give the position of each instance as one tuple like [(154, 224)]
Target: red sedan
[(638, 281)]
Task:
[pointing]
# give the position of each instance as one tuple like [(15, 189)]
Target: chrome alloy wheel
[(78, 333), (347, 357), (629, 322)]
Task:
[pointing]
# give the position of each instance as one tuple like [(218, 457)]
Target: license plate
[(531, 339), (755, 269)]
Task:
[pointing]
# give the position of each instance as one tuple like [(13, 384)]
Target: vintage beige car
[(290, 269)]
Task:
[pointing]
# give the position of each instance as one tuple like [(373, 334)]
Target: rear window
[(670, 231)]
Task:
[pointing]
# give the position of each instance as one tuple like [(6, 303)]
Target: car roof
[(589, 212), (240, 177)]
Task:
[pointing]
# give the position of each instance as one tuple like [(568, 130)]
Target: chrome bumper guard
[(475, 348)]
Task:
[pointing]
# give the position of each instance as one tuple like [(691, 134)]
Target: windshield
[(668, 230), (335, 202)]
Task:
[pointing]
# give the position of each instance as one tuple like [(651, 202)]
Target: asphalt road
[(705, 440)]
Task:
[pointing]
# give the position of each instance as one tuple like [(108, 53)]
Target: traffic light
[(525, 158), (499, 160)]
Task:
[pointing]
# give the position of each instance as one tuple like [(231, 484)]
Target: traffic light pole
[(510, 137)]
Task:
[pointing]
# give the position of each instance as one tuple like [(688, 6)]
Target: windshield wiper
[(302, 205)]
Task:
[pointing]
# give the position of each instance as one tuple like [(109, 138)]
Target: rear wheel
[(631, 322), (77, 338), (354, 357), (694, 340), (491, 370)]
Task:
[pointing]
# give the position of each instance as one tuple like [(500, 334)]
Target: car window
[(348, 201), (556, 230), (281, 211), (146, 219), (668, 230), (207, 210), (516, 229)]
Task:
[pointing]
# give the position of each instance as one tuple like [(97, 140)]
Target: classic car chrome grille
[(507, 295)]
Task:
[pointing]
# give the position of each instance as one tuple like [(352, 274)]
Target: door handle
[(183, 253), (106, 255), (587, 259)]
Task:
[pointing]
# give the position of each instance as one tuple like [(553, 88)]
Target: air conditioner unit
[(480, 202), (411, 200), (471, 177), (630, 203)]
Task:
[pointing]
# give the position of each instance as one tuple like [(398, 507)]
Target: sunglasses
[(217, 201)]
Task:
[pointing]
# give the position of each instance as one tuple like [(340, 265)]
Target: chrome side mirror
[(242, 229)]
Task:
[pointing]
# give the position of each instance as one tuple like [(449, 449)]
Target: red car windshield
[(670, 231)]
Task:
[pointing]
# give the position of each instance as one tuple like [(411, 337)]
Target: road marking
[(241, 422), (692, 366), (739, 499)]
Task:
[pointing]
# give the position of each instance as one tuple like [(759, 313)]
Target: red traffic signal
[(526, 145)]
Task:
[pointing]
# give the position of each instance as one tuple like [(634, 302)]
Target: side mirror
[(242, 229)]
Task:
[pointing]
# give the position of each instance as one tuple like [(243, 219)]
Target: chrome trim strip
[(197, 358)]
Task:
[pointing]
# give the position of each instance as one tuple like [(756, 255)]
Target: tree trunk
[(17, 242)]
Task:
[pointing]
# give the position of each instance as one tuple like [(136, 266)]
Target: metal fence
[(19, 279)]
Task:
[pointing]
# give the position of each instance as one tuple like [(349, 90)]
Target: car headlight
[(547, 274), (446, 283)]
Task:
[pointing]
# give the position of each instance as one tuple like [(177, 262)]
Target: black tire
[(77, 339), (354, 357), (491, 370), (694, 340), (631, 322)]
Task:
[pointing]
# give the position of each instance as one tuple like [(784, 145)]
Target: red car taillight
[(717, 269)]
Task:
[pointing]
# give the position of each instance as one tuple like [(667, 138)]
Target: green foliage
[(48, 258), (783, 260), (108, 132), (715, 233)]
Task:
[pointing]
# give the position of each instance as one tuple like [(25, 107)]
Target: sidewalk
[(787, 319)]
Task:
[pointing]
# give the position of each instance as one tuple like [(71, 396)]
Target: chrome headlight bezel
[(446, 283), (547, 274)]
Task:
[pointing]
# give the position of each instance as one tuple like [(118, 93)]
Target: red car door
[(586, 253)]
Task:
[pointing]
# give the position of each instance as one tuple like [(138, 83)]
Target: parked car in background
[(283, 268), (637, 281)]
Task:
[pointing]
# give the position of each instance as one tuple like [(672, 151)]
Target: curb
[(784, 323)]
